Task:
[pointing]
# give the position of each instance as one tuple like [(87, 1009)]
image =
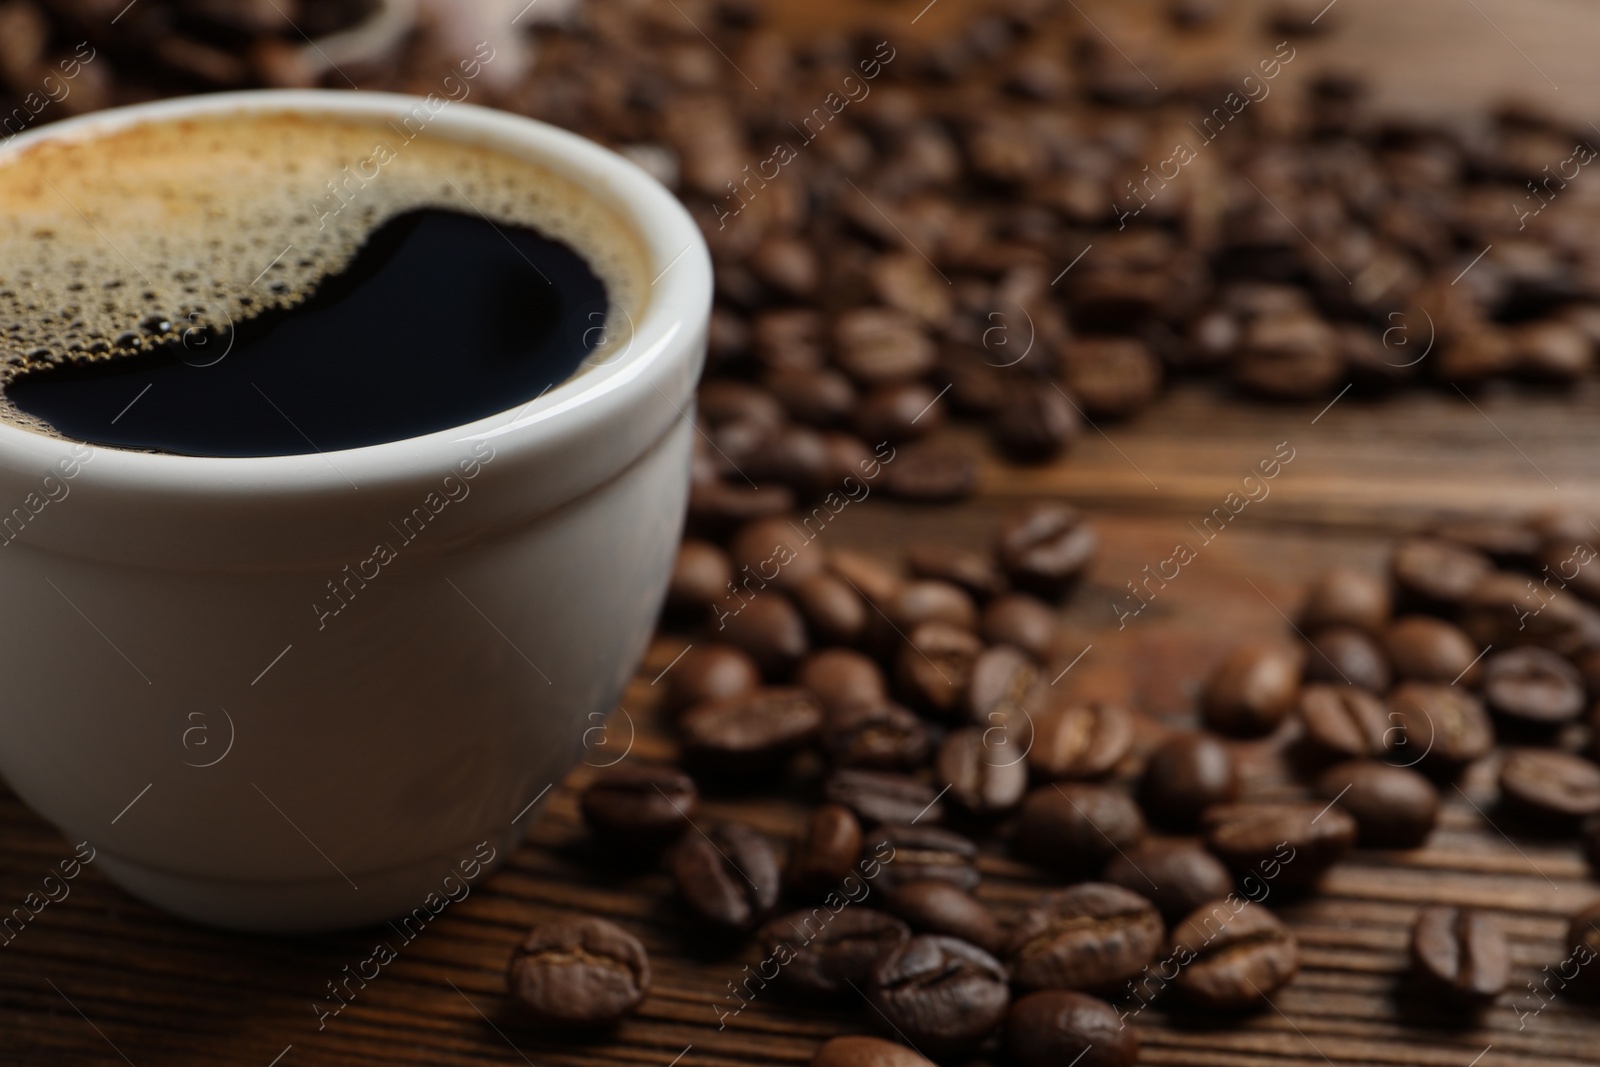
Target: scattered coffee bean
[(882, 797), (1076, 828), (975, 572), (930, 473), (700, 576), (1021, 621), (829, 952), (833, 611), (897, 412), (826, 852), (1425, 649), (922, 853), (1346, 596), (774, 551), (640, 803), (881, 736), (1461, 952), (1394, 807), (1054, 1027), (858, 1051), (1186, 774), (727, 874), (1251, 690), (934, 665), (1440, 726), (942, 994), (983, 780), (1289, 844), (1090, 936), (749, 734), (1044, 548), (1549, 786), (842, 678), (931, 600), (1583, 934), (867, 576), (768, 627), (1348, 656), (999, 683), (1437, 574), (1342, 720), (937, 907), (1036, 421), (1532, 686), (710, 672), (1176, 876), (1237, 954), (1080, 740), (578, 972)]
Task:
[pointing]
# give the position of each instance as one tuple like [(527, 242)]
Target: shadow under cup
[(240, 756)]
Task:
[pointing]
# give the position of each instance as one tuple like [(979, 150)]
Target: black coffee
[(440, 319)]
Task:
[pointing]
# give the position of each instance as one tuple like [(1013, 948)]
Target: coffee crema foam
[(120, 242)]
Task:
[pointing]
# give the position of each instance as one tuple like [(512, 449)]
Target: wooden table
[(101, 979)]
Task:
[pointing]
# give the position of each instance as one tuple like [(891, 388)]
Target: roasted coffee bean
[(829, 952), (818, 397), (1437, 574), (881, 736), (1054, 1027), (826, 852), (1036, 421), (1080, 741), (880, 584), (930, 473), (767, 626), (1289, 844), (1552, 351), (717, 505), (710, 672), (788, 338), (1505, 542), (1076, 828), (1532, 686), (922, 853), (1111, 377), (1090, 936), (1583, 934), (1549, 786), (882, 797), (1021, 621), (727, 875), (1045, 547), (1346, 596), (1460, 952), (1441, 726), (898, 412), (875, 344), (1394, 807), (1237, 954), (1343, 720), (842, 678), (749, 734), (1252, 689), (1000, 681), (578, 972), (774, 551), (700, 576), (1292, 356), (1186, 774), (931, 600), (833, 611), (639, 803), (799, 457), (1349, 656), (1425, 649), (1504, 610), (941, 994), (787, 264), (936, 907), (975, 572), (934, 665), (1176, 876), (720, 401), (982, 780), (857, 1051)]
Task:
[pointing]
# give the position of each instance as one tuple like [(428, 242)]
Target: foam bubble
[(115, 243)]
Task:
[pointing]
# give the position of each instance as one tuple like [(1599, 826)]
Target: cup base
[(304, 907)]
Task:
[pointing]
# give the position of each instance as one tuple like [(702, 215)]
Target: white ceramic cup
[(169, 695)]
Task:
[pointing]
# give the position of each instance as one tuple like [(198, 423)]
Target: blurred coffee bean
[(710, 672), (831, 954), (1035, 421), (1240, 954), (718, 505), (937, 907), (1088, 937), (1080, 740), (1000, 681), (833, 611), (934, 665), (639, 803), (922, 853), (700, 576), (787, 264), (579, 972), (1186, 774), (749, 734), (975, 572), (1434, 574), (982, 780), (1252, 689), (1394, 807), (1507, 542), (1288, 844), (930, 474), (825, 853), (727, 875), (1345, 654), (876, 345), (1110, 377), (860, 1051), (1045, 547), (884, 797), (1076, 828), (941, 994), (1460, 952), (1294, 356), (768, 627), (774, 551), (1054, 1027), (875, 736), (1532, 686), (1440, 726), (878, 583), (788, 339), (931, 600), (822, 397), (842, 677), (1176, 876), (1021, 621), (1508, 610), (1548, 787), (1425, 649), (1343, 720), (897, 412), (724, 400)]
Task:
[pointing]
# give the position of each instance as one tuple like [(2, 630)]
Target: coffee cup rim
[(662, 357)]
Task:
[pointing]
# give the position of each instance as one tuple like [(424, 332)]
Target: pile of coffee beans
[(914, 709)]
